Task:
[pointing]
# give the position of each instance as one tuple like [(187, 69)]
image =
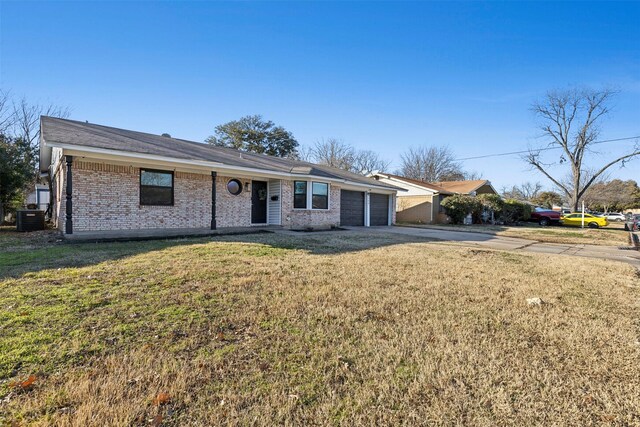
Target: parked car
[(544, 216), (591, 221), (633, 223), (618, 217)]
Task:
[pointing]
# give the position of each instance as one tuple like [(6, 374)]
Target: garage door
[(351, 207), (379, 214)]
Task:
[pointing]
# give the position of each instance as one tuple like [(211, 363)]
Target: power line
[(540, 149)]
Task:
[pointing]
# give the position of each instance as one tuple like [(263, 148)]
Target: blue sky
[(382, 76)]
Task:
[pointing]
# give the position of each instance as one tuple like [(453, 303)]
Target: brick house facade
[(114, 180), (106, 197)]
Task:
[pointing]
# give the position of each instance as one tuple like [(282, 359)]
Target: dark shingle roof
[(81, 134)]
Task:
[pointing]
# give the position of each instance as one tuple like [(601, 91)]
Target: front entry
[(258, 202)]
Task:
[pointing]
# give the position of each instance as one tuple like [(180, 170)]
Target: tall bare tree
[(339, 154), (368, 161), (26, 118), (431, 164), (333, 152), (571, 119), (6, 112), (525, 191)]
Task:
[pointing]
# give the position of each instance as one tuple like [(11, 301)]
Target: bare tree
[(571, 120), (338, 154), (26, 118), (431, 164), (304, 153), (367, 162), (530, 190), (525, 191), (333, 152), (473, 175), (6, 113)]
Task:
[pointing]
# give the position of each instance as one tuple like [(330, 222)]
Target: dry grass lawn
[(324, 329), (613, 235)]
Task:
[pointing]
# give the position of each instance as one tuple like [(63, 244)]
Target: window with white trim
[(300, 194), (319, 195), (316, 199)]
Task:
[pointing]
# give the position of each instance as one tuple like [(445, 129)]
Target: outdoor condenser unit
[(30, 220)]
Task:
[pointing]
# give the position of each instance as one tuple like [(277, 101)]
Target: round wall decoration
[(234, 187)]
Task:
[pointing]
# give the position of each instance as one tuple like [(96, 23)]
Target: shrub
[(459, 206), (514, 210), (492, 203)]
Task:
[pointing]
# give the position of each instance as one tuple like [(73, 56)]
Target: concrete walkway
[(491, 241)]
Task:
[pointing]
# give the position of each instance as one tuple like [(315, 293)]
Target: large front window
[(320, 195), (156, 187), (317, 198)]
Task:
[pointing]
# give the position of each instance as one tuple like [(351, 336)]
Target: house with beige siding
[(421, 201), (107, 180)]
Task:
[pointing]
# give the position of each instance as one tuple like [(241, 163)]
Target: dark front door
[(259, 202)]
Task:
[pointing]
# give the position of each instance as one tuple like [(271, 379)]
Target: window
[(156, 187), (234, 187), (300, 195), (319, 195), (317, 198)]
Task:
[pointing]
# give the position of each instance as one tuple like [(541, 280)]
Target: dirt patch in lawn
[(275, 329)]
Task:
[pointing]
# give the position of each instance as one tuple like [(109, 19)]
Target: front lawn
[(336, 328)]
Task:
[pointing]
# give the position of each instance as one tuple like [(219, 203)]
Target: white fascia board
[(205, 166), (401, 183)]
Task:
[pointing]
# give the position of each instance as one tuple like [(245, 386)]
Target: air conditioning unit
[(30, 220)]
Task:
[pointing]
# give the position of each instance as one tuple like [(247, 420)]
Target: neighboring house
[(106, 179), (39, 197), (472, 187), (421, 201)]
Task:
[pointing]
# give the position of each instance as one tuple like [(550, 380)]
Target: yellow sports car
[(592, 221)]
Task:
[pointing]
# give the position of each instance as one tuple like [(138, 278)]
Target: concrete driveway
[(491, 241)]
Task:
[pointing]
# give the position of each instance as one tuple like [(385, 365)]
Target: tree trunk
[(576, 187), (1, 214)]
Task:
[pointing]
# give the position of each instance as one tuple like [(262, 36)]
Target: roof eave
[(93, 151)]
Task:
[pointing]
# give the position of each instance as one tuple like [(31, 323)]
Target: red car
[(545, 216)]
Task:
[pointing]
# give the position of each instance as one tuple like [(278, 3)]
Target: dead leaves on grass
[(161, 399), (23, 385)]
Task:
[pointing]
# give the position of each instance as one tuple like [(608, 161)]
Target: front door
[(259, 202)]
